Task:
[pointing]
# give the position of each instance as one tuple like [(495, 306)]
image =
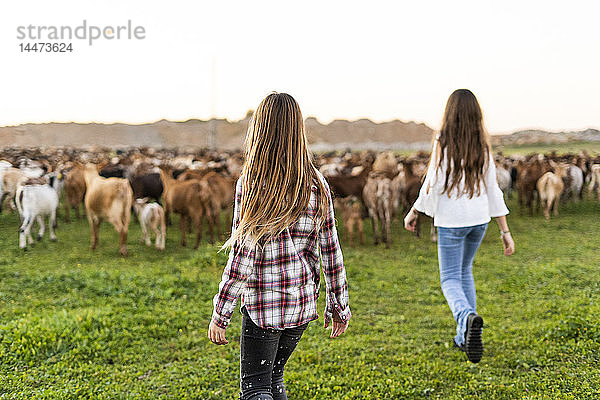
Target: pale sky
[(532, 64)]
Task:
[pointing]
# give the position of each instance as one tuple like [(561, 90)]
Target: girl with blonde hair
[(283, 223)]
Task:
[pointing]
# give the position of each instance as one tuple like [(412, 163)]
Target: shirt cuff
[(499, 211), (417, 205), (220, 321), (420, 207), (499, 214), (344, 313)]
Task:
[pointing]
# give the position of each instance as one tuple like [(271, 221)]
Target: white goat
[(151, 215), (573, 181), (550, 187), (12, 178), (595, 180), (57, 181), (504, 180), (31, 168), (34, 202), (4, 165)]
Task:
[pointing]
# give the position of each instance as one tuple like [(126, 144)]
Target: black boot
[(473, 344)]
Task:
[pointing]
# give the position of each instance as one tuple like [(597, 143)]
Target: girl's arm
[(428, 194), (336, 301), (432, 186), (496, 204), (507, 240), (234, 278), (236, 273), (238, 269), (497, 207), (502, 223)]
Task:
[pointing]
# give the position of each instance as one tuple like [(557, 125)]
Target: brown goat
[(193, 174), (528, 175), (74, 191), (412, 186), (349, 185), (350, 209), (192, 200), (110, 199), (385, 163), (398, 187), (223, 193), (377, 196)]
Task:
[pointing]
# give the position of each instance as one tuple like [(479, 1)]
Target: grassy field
[(593, 148), (81, 325), (560, 148)]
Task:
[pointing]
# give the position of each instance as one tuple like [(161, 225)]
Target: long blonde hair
[(278, 173), (464, 144)]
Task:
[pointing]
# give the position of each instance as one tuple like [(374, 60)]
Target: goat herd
[(200, 186)]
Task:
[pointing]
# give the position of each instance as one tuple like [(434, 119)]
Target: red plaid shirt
[(279, 283)]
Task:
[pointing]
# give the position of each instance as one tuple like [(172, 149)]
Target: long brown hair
[(278, 173), (464, 144)]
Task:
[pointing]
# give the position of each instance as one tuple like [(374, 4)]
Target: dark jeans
[(263, 354)]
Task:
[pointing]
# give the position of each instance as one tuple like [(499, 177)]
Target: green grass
[(593, 148), (81, 325), (560, 148)]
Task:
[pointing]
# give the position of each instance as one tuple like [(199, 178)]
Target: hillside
[(533, 136), (336, 135)]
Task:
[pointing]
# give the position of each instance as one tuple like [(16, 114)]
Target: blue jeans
[(456, 251)]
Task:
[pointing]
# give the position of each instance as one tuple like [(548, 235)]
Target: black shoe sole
[(473, 343)]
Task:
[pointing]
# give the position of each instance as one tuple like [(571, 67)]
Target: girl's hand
[(410, 221), (338, 326), (216, 334), (508, 243)]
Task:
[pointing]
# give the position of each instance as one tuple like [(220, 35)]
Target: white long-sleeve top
[(459, 210)]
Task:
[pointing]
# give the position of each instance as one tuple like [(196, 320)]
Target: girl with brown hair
[(283, 223), (461, 193)]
